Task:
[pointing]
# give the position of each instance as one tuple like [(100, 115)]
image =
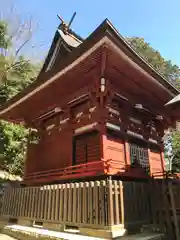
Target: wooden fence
[(99, 204), (94, 204), (165, 207)]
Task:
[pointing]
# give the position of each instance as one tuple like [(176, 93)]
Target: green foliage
[(176, 151), (170, 72), (13, 147), (166, 68), (4, 38), (16, 73)]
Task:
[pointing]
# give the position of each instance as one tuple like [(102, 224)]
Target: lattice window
[(139, 156)]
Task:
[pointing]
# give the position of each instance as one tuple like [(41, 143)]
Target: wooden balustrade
[(72, 172), (95, 168)]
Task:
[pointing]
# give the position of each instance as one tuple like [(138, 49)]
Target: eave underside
[(129, 78)]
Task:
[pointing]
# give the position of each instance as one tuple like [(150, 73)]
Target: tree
[(16, 73), (166, 68), (171, 73)]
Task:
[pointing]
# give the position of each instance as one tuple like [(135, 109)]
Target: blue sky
[(158, 21)]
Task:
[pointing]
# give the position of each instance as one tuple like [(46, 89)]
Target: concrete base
[(3, 222), (53, 226), (112, 232), (25, 222)]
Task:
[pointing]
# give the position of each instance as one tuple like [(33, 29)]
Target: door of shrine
[(86, 148)]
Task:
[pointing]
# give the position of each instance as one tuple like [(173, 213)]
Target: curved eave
[(141, 61), (104, 34)]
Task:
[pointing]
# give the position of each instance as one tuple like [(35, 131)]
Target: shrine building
[(97, 109)]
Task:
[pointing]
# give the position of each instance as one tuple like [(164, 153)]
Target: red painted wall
[(113, 148), (156, 162), (54, 151)]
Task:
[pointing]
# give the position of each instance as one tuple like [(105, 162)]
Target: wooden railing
[(72, 172), (95, 168)]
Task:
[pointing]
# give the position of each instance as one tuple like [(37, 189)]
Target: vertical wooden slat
[(68, 203), (162, 195), (122, 201), (90, 198), (84, 207), (96, 203), (5, 210), (40, 204), (31, 191), (61, 202), (102, 197), (54, 191), (49, 203), (15, 203), (78, 202), (57, 203), (93, 202), (53, 202), (117, 207), (81, 202), (164, 205), (6, 202), (110, 203), (22, 202), (75, 202), (43, 207), (19, 199), (33, 202), (10, 201), (28, 202), (173, 206), (45, 202), (87, 202), (65, 202), (70, 206), (153, 202), (37, 203)]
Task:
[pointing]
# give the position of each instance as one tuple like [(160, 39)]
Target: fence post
[(110, 202)]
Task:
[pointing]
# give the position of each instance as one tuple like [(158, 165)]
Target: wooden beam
[(104, 58)]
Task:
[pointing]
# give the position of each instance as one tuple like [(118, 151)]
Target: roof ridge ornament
[(64, 26)]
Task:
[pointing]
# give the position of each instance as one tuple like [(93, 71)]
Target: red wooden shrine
[(96, 109)]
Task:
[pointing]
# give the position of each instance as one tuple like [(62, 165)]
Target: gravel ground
[(5, 237)]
